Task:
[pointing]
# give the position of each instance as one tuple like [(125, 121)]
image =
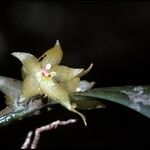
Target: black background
[(112, 35)]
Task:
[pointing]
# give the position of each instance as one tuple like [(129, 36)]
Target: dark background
[(112, 35)]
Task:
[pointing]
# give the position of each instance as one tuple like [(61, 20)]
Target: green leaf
[(134, 97)]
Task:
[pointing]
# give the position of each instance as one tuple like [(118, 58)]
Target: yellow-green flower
[(46, 76)]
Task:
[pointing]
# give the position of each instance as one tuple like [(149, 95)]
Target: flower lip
[(45, 72)]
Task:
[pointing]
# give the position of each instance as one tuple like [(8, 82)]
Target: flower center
[(46, 73), (46, 69)]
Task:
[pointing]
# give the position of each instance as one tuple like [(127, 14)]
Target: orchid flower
[(44, 75)]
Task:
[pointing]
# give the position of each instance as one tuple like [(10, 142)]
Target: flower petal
[(53, 56), (80, 114), (23, 73), (8, 100), (84, 86), (54, 91), (64, 73), (85, 71), (31, 87), (30, 62), (71, 85)]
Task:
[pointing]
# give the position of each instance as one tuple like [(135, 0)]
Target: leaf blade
[(133, 97)]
